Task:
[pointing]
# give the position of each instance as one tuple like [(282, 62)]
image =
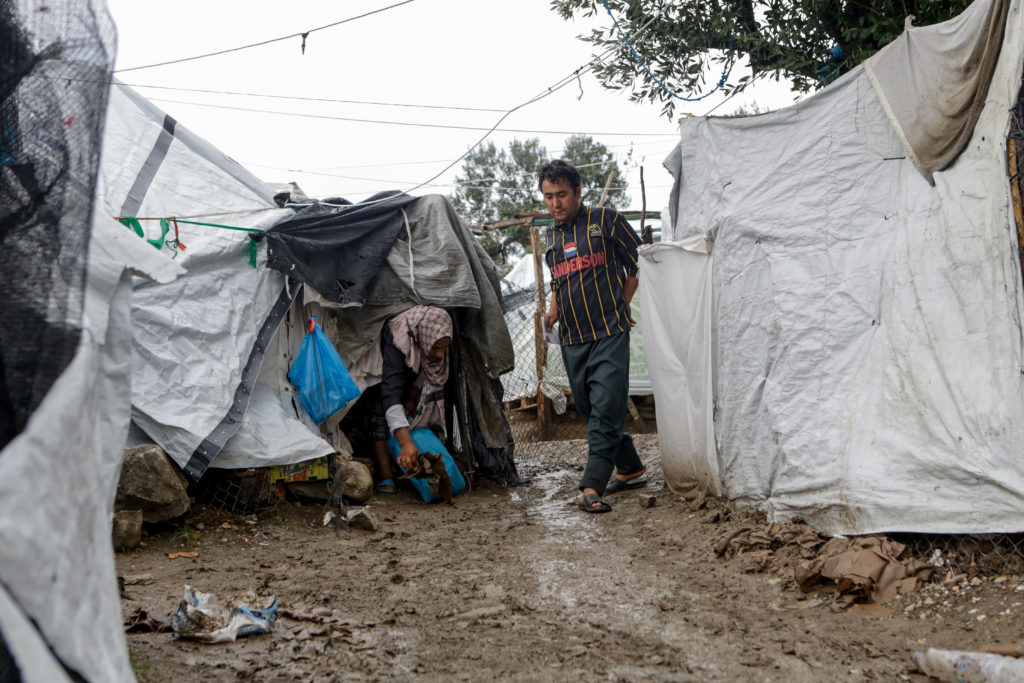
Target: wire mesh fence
[(538, 401), (236, 492), (958, 554)]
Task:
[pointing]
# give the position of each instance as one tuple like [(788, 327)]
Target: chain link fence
[(977, 554)]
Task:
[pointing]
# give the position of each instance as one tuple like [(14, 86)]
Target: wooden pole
[(646, 234), (1015, 195), (541, 346), (607, 185)]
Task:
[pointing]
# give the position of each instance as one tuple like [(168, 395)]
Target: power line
[(429, 161), (466, 183), (280, 97), (302, 35), (408, 123), (550, 91)]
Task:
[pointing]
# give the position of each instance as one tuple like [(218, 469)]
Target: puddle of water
[(566, 529), (554, 511)]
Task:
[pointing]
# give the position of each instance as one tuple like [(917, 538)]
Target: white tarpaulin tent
[(864, 337), (195, 357), (211, 350)]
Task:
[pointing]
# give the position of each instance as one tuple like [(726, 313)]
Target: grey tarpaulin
[(64, 349)]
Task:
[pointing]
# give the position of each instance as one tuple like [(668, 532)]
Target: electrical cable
[(268, 95), (558, 85), (550, 90), (429, 161), (302, 35), (396, 123)]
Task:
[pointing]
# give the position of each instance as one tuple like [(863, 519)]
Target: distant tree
[(496, 184), (809, 42)]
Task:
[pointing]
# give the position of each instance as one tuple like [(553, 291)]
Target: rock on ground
[(151, 482), (127, 531)]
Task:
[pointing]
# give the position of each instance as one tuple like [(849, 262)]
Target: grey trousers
[(599, 380)]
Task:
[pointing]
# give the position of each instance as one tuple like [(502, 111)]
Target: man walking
[(593, 260)]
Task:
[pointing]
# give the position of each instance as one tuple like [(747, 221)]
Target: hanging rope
[(721, 81)]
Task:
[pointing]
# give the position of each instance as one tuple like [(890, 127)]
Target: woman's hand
[(409, 457)]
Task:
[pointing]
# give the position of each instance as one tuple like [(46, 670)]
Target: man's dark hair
[(556, 171)]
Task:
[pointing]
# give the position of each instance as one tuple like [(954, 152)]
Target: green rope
[(165, 226), (216, 225), (134, 224)]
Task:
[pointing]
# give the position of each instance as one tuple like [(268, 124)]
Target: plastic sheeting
[(198, 342), (435, 260), (337, 250), (866, 326), (269, 431), (56, 553), (677, 340)]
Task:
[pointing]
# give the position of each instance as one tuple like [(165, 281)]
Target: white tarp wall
[(868, 371), (677, 337), (194, 339)]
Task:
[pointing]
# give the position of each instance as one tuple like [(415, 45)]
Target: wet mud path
[(512, 584)]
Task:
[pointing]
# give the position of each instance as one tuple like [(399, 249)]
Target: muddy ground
[(517, 584)]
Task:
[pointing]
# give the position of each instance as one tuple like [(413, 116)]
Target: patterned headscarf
[(416, 330)]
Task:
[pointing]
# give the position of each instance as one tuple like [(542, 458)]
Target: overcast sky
[(450, 58)]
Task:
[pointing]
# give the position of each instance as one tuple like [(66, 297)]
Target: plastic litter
[(200, 616), (969, 667)]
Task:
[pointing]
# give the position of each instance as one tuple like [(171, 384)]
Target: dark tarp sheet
[(338, 250)]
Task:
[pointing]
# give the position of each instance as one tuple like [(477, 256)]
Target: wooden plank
[(543, 417), (640, 422), (1015, 194)]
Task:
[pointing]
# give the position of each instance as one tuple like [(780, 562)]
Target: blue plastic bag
[(323, 380), (427, 442)]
